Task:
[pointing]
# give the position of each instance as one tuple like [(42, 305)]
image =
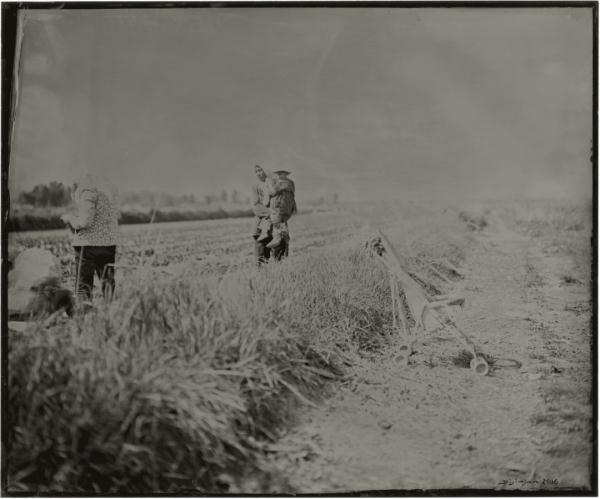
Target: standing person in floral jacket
[(95, 234)]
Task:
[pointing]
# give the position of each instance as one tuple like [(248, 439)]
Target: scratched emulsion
[(403, 119)]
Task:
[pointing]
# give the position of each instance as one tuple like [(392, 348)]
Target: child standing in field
[(282, 205)]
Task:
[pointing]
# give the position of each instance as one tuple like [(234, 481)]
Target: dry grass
[(563, 227), (169, 384), (179, 379)]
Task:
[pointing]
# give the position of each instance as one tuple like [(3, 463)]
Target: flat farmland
[(227, 378), (224, 242)]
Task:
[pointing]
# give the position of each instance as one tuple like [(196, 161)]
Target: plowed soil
[(435, 424)]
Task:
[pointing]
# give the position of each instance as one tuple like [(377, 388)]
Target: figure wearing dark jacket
[(261, 206), (282, 204)]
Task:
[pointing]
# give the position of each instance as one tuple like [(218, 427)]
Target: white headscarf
[(99, 183)]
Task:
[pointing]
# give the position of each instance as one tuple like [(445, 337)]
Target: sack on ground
[(34, 285)]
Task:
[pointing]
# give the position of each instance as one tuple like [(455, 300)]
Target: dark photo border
[(10, 11)]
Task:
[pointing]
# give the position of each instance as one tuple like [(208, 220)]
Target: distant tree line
[(54, 194), (146, 198), (179, 216), (27, 221), (21, 222)]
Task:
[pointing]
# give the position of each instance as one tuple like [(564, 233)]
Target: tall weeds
[(180, 379), (176, 380)]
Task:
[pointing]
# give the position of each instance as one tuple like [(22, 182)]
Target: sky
[(371, 103)]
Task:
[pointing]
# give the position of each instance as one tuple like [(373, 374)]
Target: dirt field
[(437, 425), (214, 242), (433, 424)]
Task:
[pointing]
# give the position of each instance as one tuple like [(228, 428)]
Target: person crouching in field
[(262, 194), (95, 231)]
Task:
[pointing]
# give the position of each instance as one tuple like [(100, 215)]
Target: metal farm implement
[(425, 313)]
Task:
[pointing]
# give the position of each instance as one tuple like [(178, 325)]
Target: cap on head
[(282, 172)]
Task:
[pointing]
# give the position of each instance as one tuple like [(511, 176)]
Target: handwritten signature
[(514, 482)]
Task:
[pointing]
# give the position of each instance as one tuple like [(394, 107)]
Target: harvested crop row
[(161, 245)]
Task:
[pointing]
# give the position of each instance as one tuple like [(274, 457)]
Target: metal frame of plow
[(421, 308)]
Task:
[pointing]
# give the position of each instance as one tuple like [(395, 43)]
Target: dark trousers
[(263, 254), (90, 260)]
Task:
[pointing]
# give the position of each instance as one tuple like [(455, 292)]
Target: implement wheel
[(480, 366), (404, 352)]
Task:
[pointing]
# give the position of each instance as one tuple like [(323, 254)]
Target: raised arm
[(258, 208), (271, 184), (87, 209)]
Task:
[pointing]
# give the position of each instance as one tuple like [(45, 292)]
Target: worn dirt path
[(436, 425)]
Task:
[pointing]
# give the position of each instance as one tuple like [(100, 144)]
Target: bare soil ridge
[(434, 425)]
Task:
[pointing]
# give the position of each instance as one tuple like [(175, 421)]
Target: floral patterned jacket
[(97, 221)]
